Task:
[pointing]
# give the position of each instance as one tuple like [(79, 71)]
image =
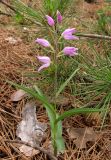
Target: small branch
[(34, 147), (94, 36)]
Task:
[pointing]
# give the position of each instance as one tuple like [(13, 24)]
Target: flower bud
[(50, 21), (43, 42), (59, 17)]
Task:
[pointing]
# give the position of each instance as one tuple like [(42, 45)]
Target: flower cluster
[(67, 35)]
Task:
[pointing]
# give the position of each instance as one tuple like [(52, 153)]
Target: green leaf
[(66, 82), (59, 139), (50, 115), (77, 111), (38, 94), (38, 90)]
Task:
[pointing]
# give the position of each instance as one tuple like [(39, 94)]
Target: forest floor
[(17, 54)]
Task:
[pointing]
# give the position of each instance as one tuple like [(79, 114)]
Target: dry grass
[(14, 60)]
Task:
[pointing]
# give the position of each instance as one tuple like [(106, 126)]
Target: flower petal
[(43, 66), (68, 34), (50, 20), (69, 31), (59, 17), (71, 51), (45, 60), (43, 42), (70, 37)]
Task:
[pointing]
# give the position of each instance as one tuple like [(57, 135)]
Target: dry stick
[(34, 147), (94, 36)]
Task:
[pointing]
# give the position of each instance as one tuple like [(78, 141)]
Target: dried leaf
[(28, 151), (18, 95), (30, 130), (61, 100), (82, 135)]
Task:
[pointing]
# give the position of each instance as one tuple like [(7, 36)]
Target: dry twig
[(35, 147), (95, 36)]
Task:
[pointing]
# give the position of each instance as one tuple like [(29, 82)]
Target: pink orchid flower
[(70, 51), (50, 21), (59, 17), (45, 60), (43, 42), (68, 34)]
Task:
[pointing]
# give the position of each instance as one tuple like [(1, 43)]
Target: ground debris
[(30, 130), (93, 119), (13, 40), (81, 136), (61, 100), (18, 95)]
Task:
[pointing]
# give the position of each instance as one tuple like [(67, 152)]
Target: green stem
[(54, 140), (55, 63), (55, 87)]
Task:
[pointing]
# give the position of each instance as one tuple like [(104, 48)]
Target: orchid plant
[(52, 59)]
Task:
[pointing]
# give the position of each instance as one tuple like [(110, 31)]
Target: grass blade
[(66, 82), (77, 111)]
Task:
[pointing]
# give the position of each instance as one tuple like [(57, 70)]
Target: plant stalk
[(55, 85), (94, 36)]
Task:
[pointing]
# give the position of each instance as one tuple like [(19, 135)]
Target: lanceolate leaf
[(33, 93), (50, 115), (77, 111), (59, 138)]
